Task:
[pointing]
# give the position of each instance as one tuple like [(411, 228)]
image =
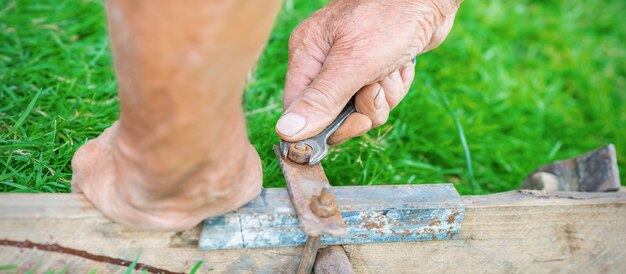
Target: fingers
[(374, 103), (356, 124), (309, 110), (394, 89), (372, 110), (408, 74), (371, 102)]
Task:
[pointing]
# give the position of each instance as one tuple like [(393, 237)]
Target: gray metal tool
[(594, 171), (318, 143)]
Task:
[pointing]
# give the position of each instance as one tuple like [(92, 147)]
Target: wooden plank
[(372, 214), (529, 232), (516, 232)]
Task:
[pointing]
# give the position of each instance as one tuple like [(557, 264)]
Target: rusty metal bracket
[(309, 255), (312, 199)]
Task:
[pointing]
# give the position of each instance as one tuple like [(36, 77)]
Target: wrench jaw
[(284, 148), (319, 149), (318, 143)]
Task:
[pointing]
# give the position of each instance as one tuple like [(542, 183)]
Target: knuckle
[(380, 118), (304, 34), (296, 36), (393, 99)]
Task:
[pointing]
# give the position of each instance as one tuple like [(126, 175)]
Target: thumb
[(319, 103)]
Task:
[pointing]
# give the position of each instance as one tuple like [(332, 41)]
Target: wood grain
[(512, 232)]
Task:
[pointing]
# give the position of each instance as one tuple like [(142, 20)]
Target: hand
[(352, 47)]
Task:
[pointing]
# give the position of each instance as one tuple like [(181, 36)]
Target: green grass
[(528, 82)]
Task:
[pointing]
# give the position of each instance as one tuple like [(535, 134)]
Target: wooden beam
[(507, 232)]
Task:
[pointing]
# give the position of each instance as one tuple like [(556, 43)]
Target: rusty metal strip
[(309, 254), (305, 183)]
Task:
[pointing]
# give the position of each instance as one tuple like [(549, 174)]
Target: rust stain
[(271, 218), (435, 223), (452, 217), (369, 224), (403, 233), (84, 254)]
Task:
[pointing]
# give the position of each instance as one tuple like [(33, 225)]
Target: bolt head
[(300, 153), (323, 205), (300, 146)]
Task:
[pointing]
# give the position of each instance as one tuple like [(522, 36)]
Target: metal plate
[(373, 214)]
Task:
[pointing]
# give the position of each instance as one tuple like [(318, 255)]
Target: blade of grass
[(132, 266), (18, 186), (196, 267), (466, 150), (24, 114), (8, 267)]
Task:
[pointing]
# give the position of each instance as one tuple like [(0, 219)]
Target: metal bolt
[(300, 146), (300, 153), (323, 205), (325, 196)]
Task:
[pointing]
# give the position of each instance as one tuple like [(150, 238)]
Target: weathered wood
[(371, 213), (529, 232)]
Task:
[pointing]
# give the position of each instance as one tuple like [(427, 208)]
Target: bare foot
[(140, 198), (179, 152)]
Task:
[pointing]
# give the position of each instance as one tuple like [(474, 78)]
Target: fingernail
[(379, 100), (290, 124)]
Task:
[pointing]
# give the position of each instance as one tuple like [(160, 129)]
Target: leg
[(179, 152)]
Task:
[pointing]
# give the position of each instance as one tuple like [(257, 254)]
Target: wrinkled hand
[(353, 47)]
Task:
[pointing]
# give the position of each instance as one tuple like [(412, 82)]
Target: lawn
[(529, 82)]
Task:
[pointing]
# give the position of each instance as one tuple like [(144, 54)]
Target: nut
[(300, 153), (323, 205)]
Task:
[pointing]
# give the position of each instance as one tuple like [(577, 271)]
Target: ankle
[(208, 187)]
